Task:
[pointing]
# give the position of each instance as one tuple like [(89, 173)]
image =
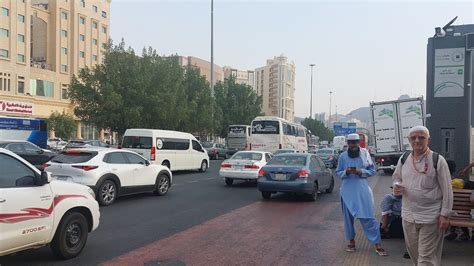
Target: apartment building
[(275, 82), (246, 77), (43, 43), (204, 67)]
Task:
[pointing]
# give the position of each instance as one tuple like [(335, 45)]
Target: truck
[(391, 122)]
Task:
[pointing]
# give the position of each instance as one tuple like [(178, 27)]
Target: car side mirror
[(147, 163), (40, 151), (45, 177)]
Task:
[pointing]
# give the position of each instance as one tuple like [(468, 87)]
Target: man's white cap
[(353, 136), (419, 128)]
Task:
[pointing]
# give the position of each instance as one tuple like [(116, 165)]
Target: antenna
[(441, 32)]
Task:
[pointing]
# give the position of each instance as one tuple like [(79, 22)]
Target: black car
[(81, 143), (29, 151)]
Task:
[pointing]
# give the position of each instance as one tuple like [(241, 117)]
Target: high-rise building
[(275, 82), (246, 77), (321, 117), (43, 43), (204, 67)]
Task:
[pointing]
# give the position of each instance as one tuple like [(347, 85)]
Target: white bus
[(273, 133), (238, 137)]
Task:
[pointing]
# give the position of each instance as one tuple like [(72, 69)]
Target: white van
[(338, 142), (174, 149)]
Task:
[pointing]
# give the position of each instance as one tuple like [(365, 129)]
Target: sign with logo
[(342, 129), (11, 107), (449, 72)]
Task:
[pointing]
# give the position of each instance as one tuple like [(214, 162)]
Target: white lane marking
[(195, 181)]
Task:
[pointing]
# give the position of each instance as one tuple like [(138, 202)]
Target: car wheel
[(266, 195), (162, 185), (331, 186), (314, 195), (167, 164), (203, 166), (229, 181), (107, 193), (71, 236)]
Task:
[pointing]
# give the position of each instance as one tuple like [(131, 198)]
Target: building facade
[(246, 77), (43, 43), (204, 67), (275, 82)]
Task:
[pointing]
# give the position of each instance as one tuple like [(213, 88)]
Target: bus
[(238, 137), (33, 130), (271, 133)]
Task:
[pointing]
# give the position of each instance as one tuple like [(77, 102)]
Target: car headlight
[(91, 191)]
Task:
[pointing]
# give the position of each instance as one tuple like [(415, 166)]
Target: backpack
[(435, 159)]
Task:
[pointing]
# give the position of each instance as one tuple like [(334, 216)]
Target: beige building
[(204, 66), (42, 44), (275, 82), (241, 76)]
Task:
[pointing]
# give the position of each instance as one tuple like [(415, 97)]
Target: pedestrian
[(427, 199), (354, 167)]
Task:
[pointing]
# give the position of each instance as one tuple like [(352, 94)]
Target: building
[(204, 67), (246, 77), (321, 117), (275, 82), (42, 45)]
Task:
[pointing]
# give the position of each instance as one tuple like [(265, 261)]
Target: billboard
[(345, 128)]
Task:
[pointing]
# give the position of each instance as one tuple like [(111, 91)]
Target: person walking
[(354, 167), (427, 200)]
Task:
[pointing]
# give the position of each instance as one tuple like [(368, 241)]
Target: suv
[(110, 172), (77, 144), (29, 151), (35, 212)]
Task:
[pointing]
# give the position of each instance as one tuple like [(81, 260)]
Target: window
[(20, 58), (136, 142), (41, 88), (64, 33), (94, 25), (104, 29), (104, 14), (30, 148), (64, 94), (83, 3), (172, 144), (104, 45), (81, 54), (94, 8), (94, 41), (64, 68), (267, 157), (134, 159), (266, 127), (64, 15), (82, 20), (21, 38), (63, 50), (16, 147), (196, 146), (4, 32), (14, 173), (94, 58), (21, 86), (82, 37), (3, 53), (5, 12), (21, 18), (71, 158), (115, 158)]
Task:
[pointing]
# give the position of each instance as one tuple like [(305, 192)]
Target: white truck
[(35, 212), (391, 121)]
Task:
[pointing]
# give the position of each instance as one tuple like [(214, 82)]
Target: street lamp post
[(311, 96), (329, 119), (212, 48)]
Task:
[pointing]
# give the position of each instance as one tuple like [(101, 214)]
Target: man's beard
[(353, 153)]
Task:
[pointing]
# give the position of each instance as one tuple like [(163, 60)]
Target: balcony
[(40, 63)]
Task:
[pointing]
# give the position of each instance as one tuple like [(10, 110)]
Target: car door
[(26, 209), (121, 168), (198, 154), (143, 173), (319, 173), (327, 172), (35, 154)]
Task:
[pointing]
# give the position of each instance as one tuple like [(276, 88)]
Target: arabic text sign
[(449, 72), (11, 107)]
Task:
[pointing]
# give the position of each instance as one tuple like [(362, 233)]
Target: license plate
[(280, 176), (64, 178), (238, 166)]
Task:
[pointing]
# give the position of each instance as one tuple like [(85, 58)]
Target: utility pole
[(311, 96), (329, 118), (212, 67)]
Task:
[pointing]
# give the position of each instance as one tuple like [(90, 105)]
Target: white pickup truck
[(35, 212)]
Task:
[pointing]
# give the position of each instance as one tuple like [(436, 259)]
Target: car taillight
[(261, 172), (86, 167), (153, 153), (226, 165), (250, 146), (303, 174), (246, 146), (72, 152), (253, 166), (119, 147), (213, 151), (279, 146), (46, 165)]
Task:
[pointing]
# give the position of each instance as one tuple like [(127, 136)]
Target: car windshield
[(74, 157), (284, 151), (137, 142), (288, 160), (325, 152), (207, 144), (247, 156)]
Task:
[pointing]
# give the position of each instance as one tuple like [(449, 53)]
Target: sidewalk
[(454, 252)]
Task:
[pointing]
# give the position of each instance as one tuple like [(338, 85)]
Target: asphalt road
[(202, 221)]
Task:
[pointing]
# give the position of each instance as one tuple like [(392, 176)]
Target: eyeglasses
[(419, 138)]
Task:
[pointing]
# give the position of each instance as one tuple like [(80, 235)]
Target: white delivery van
[(338, 142), (174, 149)]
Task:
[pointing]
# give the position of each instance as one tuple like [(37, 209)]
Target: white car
[(243, 165), (110, 172), (35, 212)]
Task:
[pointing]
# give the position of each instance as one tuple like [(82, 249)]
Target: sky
[(363, 50)]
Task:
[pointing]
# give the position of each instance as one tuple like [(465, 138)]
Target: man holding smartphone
[(354, 167)]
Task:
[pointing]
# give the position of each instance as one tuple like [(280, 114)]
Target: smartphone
[(351, 168)]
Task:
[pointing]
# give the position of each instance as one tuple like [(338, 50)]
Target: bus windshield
[(265, 127), (237, 132)]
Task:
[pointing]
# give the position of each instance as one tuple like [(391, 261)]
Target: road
[(203, 222)]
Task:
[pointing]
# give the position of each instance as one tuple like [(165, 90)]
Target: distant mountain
[(298, 119), (362, 114)]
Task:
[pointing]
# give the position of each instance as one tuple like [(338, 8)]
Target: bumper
[(235, 174), (95, 217), (285, 186)]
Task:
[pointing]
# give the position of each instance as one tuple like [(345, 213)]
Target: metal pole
[(311, 97), (329, 119), (212, 48)]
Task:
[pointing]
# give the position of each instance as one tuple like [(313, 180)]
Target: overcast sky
[(363, 50)]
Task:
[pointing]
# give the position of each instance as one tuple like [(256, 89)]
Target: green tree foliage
[(318, 128), (236, 104), (63, 125)]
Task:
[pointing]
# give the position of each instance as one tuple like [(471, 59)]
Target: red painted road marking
[(263, 233)]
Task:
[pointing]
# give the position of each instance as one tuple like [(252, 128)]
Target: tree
[(63, 124), (318, 128), (236, 104)]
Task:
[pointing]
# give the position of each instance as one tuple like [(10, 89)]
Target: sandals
[(351, 248), (381, 252)]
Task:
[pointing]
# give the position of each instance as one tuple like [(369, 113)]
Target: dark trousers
[(395, 228)]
